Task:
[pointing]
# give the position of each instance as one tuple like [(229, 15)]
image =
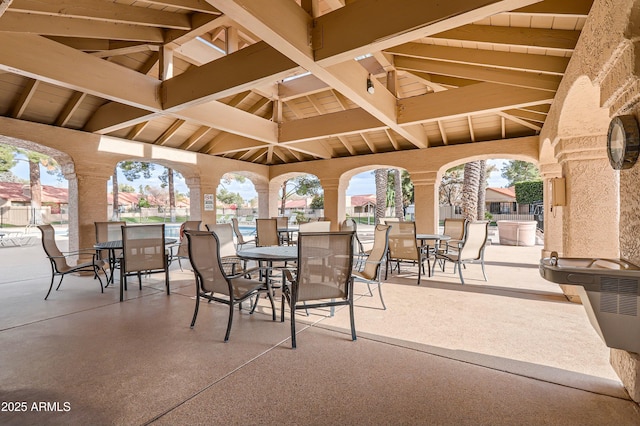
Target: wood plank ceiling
[(281, 81)]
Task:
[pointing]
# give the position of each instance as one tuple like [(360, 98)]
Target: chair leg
[(483, 273), (226, 336), (293, 325), (50, 287), (460, 272), (380, 291), (60, 283), (123, 284), (195, 311), (353, 323), (140, 280), (96, 270)]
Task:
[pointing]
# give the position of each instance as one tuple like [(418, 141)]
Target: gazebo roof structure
[(285, 81)]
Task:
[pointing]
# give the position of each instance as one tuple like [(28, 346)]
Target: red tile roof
[(19, 192), (509, 192)]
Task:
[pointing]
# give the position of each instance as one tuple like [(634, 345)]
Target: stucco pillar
[(590, 220), (552, 214), (267, 201), (87, 205), (425, 198), (196, 200), (206, 194), (334, 201)]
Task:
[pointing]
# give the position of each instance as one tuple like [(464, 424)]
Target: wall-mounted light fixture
[(370, 87)]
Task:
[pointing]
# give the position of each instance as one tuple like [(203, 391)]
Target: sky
[(360, 184)]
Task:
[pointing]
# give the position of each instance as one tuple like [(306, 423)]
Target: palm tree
[(470, 189), (397, 192), (381, 193)]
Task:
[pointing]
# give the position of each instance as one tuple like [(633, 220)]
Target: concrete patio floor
[(508, 351)]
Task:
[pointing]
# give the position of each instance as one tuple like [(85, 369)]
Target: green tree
[(451, 186), (131, 170), (227, 197), (304, 186), (123, 187), (7, 158), (317, 202), (167, 178), (520, 171)]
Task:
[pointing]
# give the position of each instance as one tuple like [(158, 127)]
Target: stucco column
[(552, 215), (87, 205), (334, 201), (267, 201), (206, 191), (590, 220), (426, 201), (196, 202)]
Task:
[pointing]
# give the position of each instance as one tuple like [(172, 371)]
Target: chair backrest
[(108, 231), (385, 220), (51, 248), (236, 230), (204, 252), (325, 260), (323, 226), (267, 233), (143, 248), (455, 228), (349, 225), (475, 240), (224, 232), (378, 251), (183, 247), (282, 221), (402, 241)]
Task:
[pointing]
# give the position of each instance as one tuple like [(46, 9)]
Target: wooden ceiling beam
[(78, 71), (555, 65), (479, 98), (481, 73), (96, 10), (563, 41), (70, 107), (71, 27)]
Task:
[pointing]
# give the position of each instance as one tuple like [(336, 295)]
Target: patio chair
[(267, 233), (109, 231), (371, 272), (224, 232), (323, 275), (471, 250), (358, 249), (240, 240), (319, 226), (454, 228), (60, 266), (204, 249), (283, 223), (404, 248), (182, 245), (143, 250)]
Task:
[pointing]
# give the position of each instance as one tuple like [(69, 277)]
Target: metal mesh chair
[(143, 250), (204, 249), (404, 248), (471, 250), (371, 272), (224, 232), (59, 265), (323, 275), (182, 245), (282, 222), (109, 231), (240, 240), (267, 233)]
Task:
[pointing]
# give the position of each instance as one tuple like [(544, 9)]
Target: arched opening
[(236, 196), (299, 196)]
